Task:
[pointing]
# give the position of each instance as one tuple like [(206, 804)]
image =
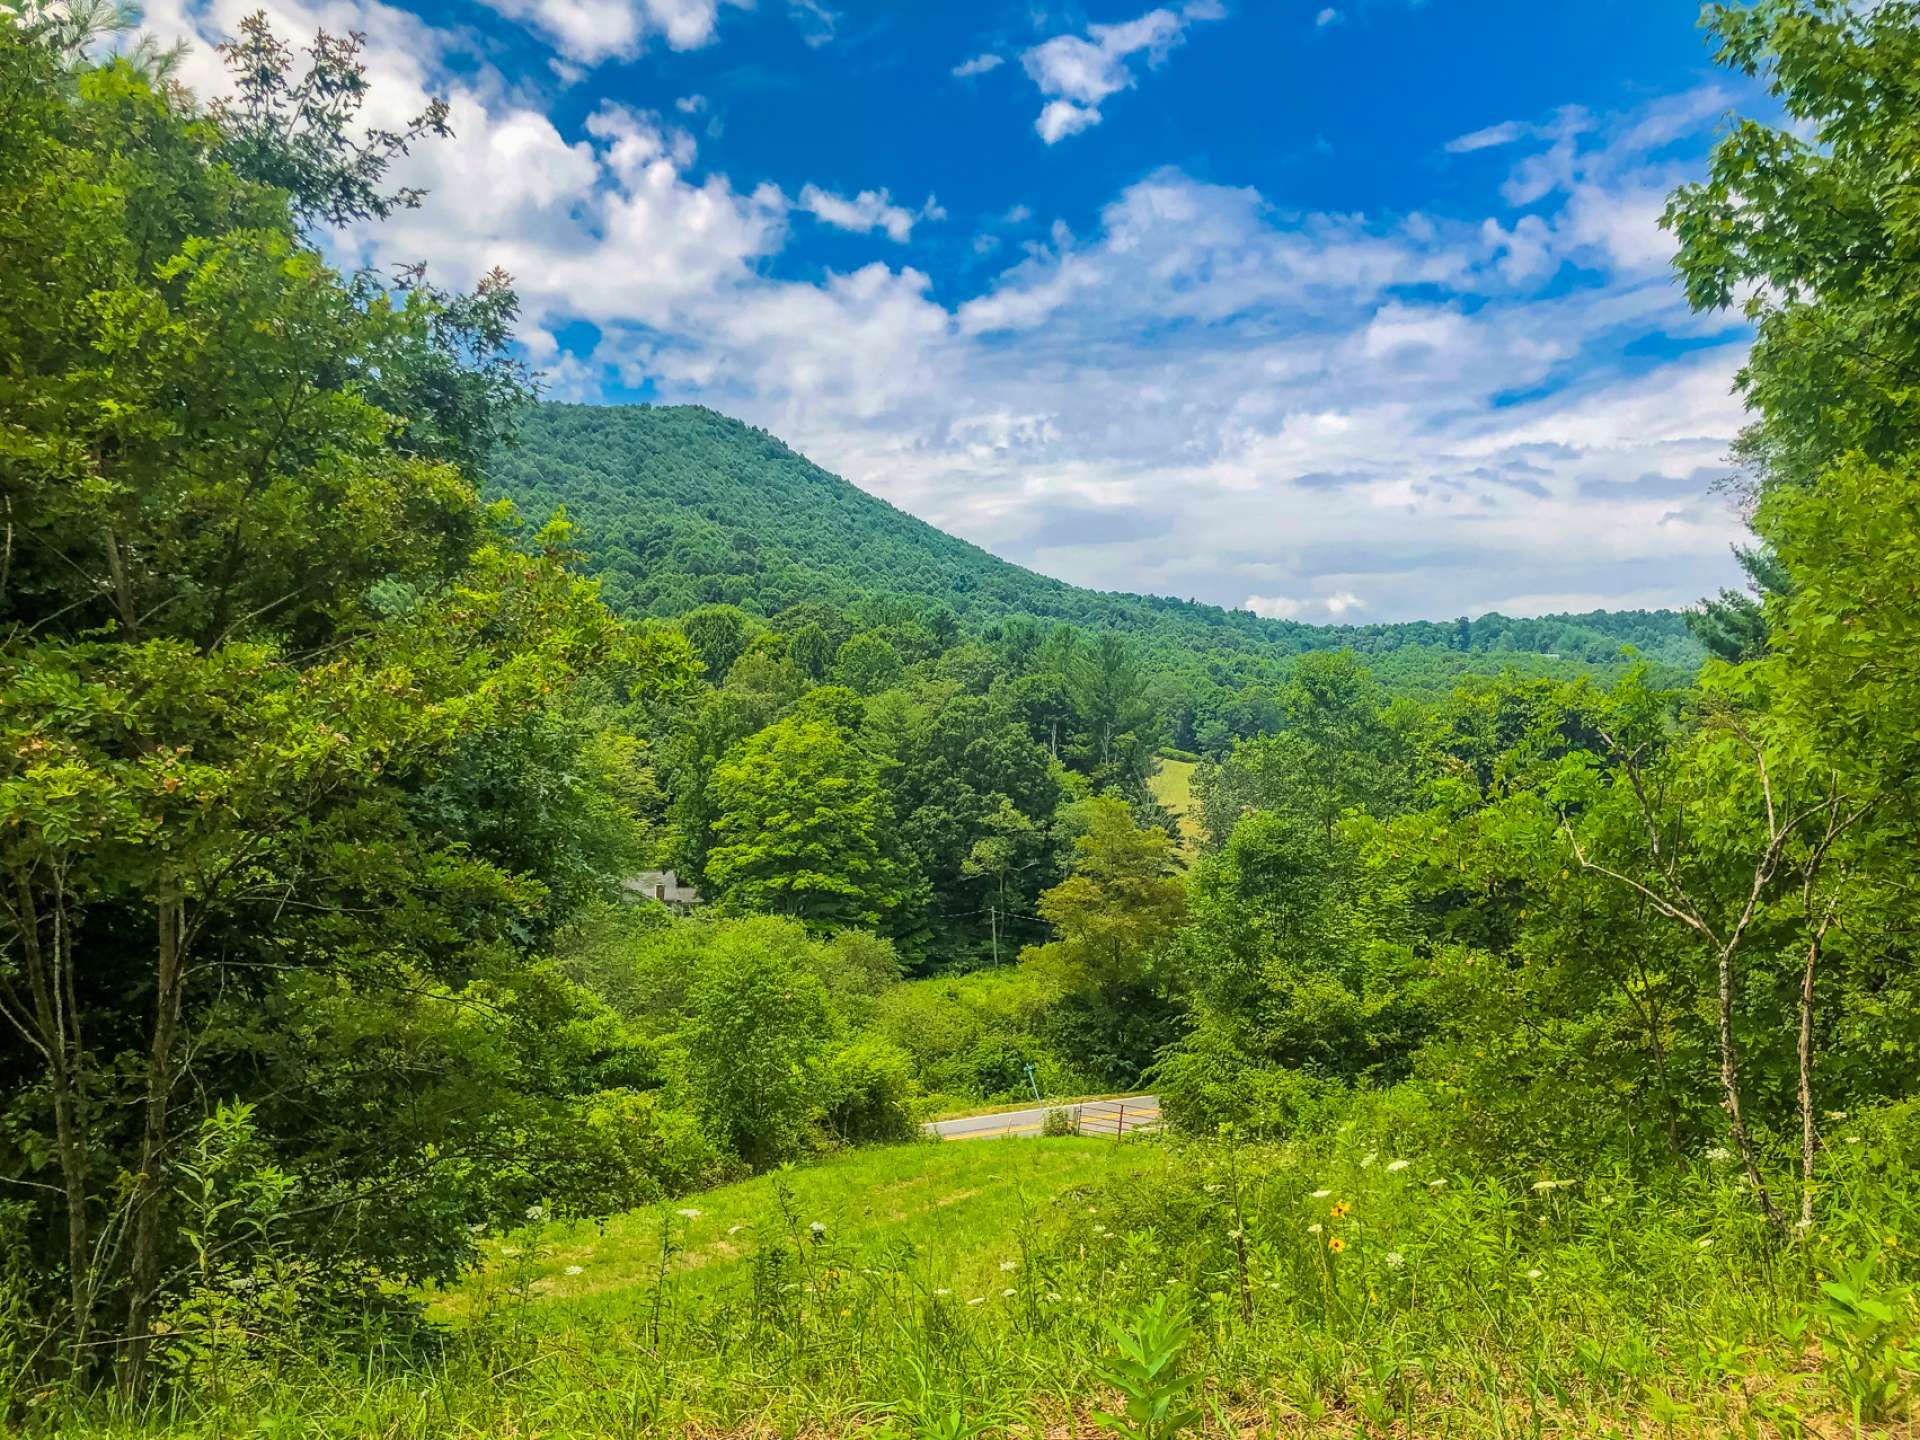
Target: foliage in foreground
[(1356, 1286)]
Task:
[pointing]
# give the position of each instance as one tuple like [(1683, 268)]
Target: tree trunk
[(144, 1273), (1730, 1084), (1808, 1139), (49, 980)]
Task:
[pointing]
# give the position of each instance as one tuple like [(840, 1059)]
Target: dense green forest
[(1538, 1050), (679, 506)]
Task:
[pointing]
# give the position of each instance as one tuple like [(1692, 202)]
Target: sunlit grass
[(958, 1205)]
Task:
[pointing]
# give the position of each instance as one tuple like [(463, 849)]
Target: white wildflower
[(1366, 1160), (1541, 1187), (943, 1291), (1853, 1139), (1719, 1154), (1436, 1184), (1705, 1242), (1396, 1166), (688, 1213), (817, 1228), (1006, 1265), (575, 1270), (1535, 1274), (1315, 1228), (1836, 1114), (1395, 1259), (1321, 1194)]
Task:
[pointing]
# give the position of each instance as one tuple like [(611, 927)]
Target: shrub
[(1060, 1121), (867, 1092)]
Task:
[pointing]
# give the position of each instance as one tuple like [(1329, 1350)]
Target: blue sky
[(1353, 311)]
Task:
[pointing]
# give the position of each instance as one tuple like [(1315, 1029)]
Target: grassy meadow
[(1027, 1287), (1172, 785)]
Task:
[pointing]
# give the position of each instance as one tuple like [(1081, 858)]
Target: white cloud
[(1505, 133), (1060, 118), (690, 104), (1077, 72), (978, 65), (1326, 17), (1273, 607), (867, 211), (591, 31)]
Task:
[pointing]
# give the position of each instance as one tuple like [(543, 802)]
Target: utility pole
[(993, 919)]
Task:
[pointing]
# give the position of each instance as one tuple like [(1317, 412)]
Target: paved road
[(1122, 1115)]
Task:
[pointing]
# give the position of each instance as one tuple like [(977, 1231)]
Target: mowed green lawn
[(950, 1211), (1172, 786)]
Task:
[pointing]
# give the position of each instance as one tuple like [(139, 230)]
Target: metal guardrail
[(1115, 1117)]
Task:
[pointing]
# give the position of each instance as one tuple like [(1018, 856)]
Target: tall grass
[(1340, 1288)]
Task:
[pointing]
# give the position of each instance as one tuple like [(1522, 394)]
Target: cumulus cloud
[(978, 65), (591, 31), (867, 211), (1364, 417), (1077, 72), (1328, 16)]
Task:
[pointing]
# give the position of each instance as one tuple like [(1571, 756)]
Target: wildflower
[(1315, 1228), (575, 1269), (1341, 1211), (1836, 1115), (1394, 1167), (688, 1213), (943, 1291), (1395, 1259), (536, 1211), (1321, 1194), (818, 1230), (1366, 1161), (1053, 1295), (1101, 1230), (1006, 1265), (1542, 1187), (1336, 1244), (1705, 1242), (1853, 1139), (1719, 1154), (1535, 1274), (1436, 1184), (1236, 1234), (978, 1300)]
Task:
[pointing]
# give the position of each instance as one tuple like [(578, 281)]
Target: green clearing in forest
[(955, 1207)]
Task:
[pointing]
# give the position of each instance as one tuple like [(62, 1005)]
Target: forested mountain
[(680, 506)]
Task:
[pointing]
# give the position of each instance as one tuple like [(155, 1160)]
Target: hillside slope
[(680, 506)]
